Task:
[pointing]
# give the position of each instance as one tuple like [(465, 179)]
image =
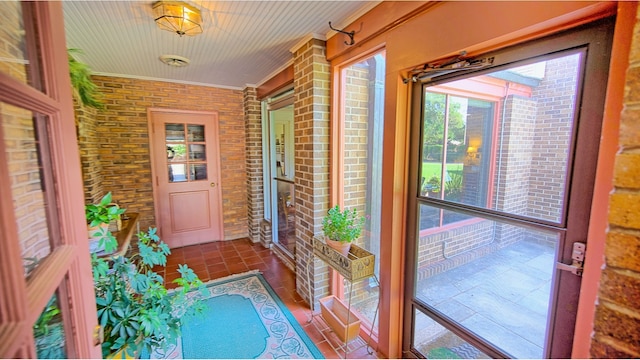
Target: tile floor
[(222, 258)]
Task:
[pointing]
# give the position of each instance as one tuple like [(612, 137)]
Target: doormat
[(244, 319)]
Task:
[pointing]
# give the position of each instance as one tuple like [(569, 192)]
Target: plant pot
[(335, 314), (341, 247)]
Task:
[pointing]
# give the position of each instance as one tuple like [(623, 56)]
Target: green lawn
[(430, 169)]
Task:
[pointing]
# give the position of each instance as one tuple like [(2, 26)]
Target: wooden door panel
[(190, 211)]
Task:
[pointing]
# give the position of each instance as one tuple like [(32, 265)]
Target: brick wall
[(617, 318), (311, 132), (121, 133), (355, 138), (253, 151), (554, 119), (513, 156), (89, 144)]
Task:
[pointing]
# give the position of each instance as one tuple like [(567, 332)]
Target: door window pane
[(502, 146), (491, 277), (283, 169), (174, 132), (197, 152), (177, 173), (185, 153), (48, 332), (434, 341), (283, 139), (25, 138), (16, 58), (195, 133), (286, 215), (199, 172)]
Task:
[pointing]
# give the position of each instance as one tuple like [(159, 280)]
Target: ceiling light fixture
[(177, 17)]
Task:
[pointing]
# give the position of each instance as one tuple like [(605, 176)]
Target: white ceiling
[(243, 42)]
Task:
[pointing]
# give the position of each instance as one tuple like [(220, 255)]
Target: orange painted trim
[(276, 83), (598, 225), (379, 20), (408, 45)]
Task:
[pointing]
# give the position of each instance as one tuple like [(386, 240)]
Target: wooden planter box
[(335, 314), (358, 265)]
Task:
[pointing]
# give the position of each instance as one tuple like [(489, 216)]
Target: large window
[(456, 129), (501, 176), (362, 110)]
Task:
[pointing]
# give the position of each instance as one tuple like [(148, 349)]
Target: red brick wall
[(617, 318), (121, 133)]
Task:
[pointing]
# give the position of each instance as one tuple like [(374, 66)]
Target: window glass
[(436, 342), (48, 332), (501, 140), (25, 136), (484, 273), (16, 58), (363, 109), (186, 152)]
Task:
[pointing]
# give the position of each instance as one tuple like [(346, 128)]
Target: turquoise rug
[(244, 319)]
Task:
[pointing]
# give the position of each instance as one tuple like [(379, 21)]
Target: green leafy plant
[(453, 187), (343, 226), (434, 184), (134, 307), (103, 213), (83, 86)]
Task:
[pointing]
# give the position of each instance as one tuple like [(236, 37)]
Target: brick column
[(89, 143), (253, 151), (617, 318), (311, 119)]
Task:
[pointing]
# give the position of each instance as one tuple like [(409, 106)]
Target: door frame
[(69, 265), (154, 169), (597, 37)]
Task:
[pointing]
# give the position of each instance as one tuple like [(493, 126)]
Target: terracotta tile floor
[(222, 258)]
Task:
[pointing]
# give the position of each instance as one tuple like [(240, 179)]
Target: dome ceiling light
[(177, 17)]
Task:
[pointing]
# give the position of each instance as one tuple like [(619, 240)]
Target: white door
[(187, 176)]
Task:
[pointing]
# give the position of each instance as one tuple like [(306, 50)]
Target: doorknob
[(213, 184)]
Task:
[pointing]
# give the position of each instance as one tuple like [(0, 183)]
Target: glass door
[(283, 205), (47, 304), (502, 176)]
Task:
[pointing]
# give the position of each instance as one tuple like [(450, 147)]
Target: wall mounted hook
[(349, 34)]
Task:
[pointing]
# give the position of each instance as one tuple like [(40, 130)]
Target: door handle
[(577, 260), (213, 184)]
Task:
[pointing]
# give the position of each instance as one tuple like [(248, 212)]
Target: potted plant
[(433, 186), (341, 228), (98, 217), (135, 309)]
